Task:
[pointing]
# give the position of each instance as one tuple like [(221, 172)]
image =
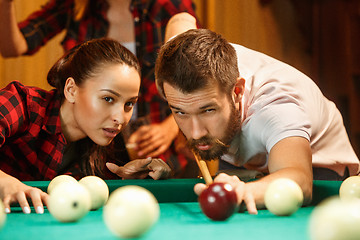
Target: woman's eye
[(108, 99), (130, 104)]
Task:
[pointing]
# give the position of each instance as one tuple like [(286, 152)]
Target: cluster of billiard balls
[(132, 210), (129, 211), (219, 201), (338, 217)]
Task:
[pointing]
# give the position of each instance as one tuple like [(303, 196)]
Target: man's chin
[(207, 156)]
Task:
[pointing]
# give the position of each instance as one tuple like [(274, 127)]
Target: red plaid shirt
[(31, 139), (150, 18)]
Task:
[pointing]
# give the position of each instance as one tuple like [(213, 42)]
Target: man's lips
[(203, 147)]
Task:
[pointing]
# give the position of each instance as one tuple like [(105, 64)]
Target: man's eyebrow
[(111, 91), (203, 107), (171, 106), (208, 105)]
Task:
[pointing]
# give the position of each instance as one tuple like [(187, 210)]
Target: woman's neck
[(69, 127)]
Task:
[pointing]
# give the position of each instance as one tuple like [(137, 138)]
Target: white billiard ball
[(69, 202), (283, 197), (131, 211), (350, 188), (59, 179), (335, 219), (98, 189), (2, 215)]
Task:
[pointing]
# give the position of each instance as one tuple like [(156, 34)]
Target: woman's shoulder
[(18, 93)]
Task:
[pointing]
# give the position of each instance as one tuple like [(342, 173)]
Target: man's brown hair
[(196, 59)]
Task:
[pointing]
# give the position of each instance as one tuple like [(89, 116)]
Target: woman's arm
[(12, 42)]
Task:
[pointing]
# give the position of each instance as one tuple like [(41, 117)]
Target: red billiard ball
[(219, 201)]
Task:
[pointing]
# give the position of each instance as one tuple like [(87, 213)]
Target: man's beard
[(218, 147)]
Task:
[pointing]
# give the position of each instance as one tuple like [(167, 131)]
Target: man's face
[(208, 119)]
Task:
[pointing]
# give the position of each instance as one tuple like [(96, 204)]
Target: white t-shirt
[(279, 102)]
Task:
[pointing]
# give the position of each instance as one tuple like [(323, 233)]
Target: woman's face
[(104, 103)]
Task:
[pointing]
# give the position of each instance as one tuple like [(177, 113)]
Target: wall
[(268, 28), (30, 70)]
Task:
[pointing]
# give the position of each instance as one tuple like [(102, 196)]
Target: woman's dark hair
[(85, 60), (81, 63)]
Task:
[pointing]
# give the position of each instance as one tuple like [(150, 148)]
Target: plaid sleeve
[(12, 111), (45, 23)]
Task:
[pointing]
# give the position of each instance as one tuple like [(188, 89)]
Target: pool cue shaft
[(204, 170)]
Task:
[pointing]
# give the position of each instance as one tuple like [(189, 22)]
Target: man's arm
[(179, 23), (289, 158), (12, 42)]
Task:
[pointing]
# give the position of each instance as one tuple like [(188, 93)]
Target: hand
[(243, 195), (12, 190), (141, 168), (154, 139)]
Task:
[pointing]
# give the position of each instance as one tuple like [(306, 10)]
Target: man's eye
[(108, 99), (179, 113), (209, 110)]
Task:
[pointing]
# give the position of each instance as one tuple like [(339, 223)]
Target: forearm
[(12, 42), (302, 178), (179, 23), (3, 174)]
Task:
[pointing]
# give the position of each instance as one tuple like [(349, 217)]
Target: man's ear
[(239, 89), (70, 90)]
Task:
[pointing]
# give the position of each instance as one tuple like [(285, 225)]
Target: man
[(252, 111)]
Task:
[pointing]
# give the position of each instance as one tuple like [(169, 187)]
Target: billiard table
[(180, 217)]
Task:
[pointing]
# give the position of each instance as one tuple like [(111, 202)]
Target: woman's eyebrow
[(111, 91)]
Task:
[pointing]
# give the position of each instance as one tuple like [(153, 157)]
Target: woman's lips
[(111, 132)]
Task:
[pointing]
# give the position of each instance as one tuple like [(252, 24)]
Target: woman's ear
[(239, 89), (70, 90)]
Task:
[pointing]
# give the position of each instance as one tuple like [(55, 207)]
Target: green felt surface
[(181, 219), (177, 221)]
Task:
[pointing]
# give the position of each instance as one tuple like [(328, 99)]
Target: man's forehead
[(177, 98)]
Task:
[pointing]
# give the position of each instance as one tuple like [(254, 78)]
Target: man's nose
[(198, 129)]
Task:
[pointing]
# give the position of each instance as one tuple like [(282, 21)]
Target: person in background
[(96, 87), (138, 25), (253, 112)]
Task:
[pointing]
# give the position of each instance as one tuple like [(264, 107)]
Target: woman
[(96, 87), (139, 25)]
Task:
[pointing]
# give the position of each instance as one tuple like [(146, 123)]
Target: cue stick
[(204, 170)]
